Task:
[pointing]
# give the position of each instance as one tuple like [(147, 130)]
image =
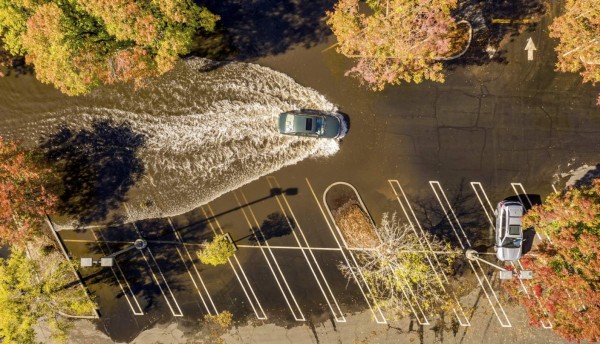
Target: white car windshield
[(512, 243)]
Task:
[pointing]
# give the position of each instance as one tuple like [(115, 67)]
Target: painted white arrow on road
[(530, 47)]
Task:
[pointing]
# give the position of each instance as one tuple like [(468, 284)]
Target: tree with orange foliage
[(578, 31), (394, 40), (77, 45), (566, 270), (24, 195)]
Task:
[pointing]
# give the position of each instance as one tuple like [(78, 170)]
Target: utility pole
[(504, 274), (108, 261)]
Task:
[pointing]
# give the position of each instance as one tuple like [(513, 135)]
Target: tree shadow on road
[(474, 225), (97, 167), (494, 23), (250, 29)]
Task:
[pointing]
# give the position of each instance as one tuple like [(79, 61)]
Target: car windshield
[(320, 129), (514, 230), (512, 243)]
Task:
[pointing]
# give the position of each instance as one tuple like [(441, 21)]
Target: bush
[(216, 252)]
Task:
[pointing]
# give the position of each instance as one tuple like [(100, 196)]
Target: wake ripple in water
[(207, 132)]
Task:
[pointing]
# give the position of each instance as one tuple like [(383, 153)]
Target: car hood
[(508, 254), (332, 127)]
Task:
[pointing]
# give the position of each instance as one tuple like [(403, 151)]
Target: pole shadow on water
[(273, 192), (256, 28), (275, 225), (97, 167)]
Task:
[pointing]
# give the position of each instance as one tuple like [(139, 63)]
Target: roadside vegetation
[(216, 252), (394, 41), (25, 195), (356, 226), (567, 268), (80, 44), (36, 282), (578, 32), (395, 266), (218, 325)]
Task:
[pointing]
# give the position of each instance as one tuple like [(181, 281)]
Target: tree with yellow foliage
[(77, 45)]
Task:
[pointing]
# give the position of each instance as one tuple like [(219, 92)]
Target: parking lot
[(285, 268)]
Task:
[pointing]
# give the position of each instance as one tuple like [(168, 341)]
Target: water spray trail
[(207, 132)]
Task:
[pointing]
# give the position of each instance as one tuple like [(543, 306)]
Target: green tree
[(578, 32), (397, 270), (216, 252), (79, 44), (567, 268), (29, 293), (24, 196), (398, 40)]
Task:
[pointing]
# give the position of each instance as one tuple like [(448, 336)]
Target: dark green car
[(312, 123)]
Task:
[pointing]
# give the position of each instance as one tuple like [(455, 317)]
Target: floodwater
[(183, 140)]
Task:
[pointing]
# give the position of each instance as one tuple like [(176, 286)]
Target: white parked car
[(509, 231)]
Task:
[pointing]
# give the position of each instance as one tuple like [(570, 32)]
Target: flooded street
[(193, 135), (209, 128)]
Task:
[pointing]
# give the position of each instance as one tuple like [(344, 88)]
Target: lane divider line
[(175, 314), (378, 316), (546, 325), (339, 315), (254, 299), (140, 311), (463, 320), (447, 209), (243, 207)]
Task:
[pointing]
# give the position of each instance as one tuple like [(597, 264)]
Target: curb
[(64, 251), (466, 48)]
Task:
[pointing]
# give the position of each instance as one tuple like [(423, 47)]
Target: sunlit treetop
[(578, 31), (395, 40), (79, 44)]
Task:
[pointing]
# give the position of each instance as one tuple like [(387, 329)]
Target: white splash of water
[(207, 132)]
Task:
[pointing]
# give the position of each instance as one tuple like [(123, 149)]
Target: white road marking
[(339, 315), (266, 244), (530, 47), (380, 319), (435, 182), (491, 208), (544, 325), (430, 251), (140, 311), (364, 207), (179, 314), (505, 322), (191, 261), (294, 248), (254, 299)]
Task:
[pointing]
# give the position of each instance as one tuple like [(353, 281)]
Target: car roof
[(298, 122)]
